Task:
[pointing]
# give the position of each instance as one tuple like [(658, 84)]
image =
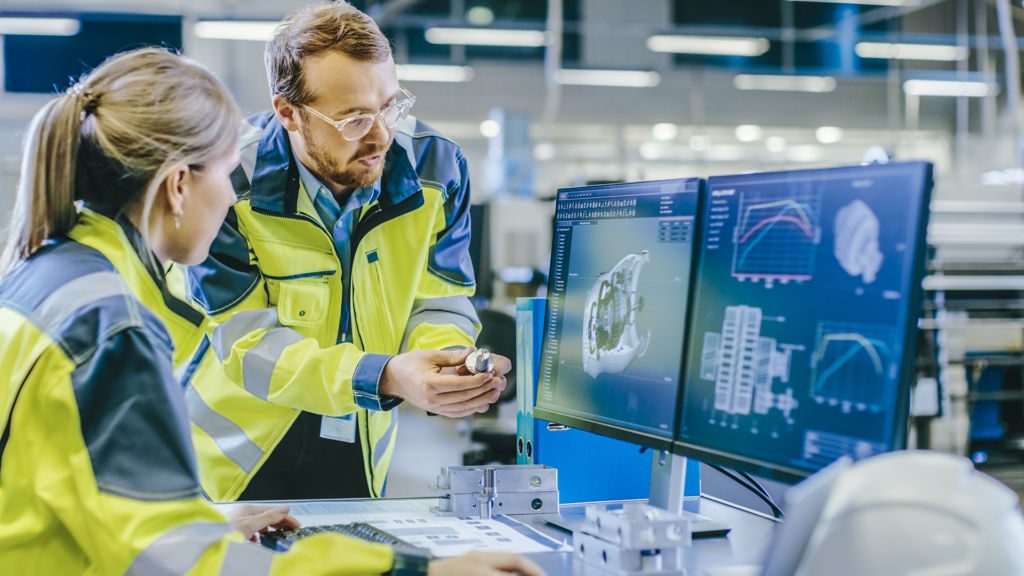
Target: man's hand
[(250, 519), (437, 381), (484, 564)]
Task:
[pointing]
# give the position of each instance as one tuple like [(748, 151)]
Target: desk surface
[(746, 544)]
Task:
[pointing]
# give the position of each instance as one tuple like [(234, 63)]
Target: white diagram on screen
[(852, 365), (744, 366), (856, 243), (610, 338)]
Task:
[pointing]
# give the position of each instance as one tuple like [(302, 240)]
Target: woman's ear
[(176, 188)]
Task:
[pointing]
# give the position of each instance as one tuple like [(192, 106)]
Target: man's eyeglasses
[(355, 127)]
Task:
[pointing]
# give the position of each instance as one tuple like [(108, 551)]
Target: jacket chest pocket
[(301, 303)]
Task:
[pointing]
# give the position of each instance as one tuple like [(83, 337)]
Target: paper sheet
[(411, 521)]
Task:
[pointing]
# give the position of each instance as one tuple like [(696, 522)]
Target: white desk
[(747, 543)]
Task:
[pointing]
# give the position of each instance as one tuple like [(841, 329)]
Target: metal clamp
[(486, 490), (636, 540)]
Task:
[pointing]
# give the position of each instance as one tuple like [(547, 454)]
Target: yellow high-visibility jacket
[(281, 348), (97, 470)]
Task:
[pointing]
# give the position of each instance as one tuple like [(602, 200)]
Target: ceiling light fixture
[(829, 134), (39, 26), (251, 30), (867, 2), (749, 133), (893, 51), (433, 73), (784, 83), (947, 88), (617, 78), (708, 45), (486, 37)]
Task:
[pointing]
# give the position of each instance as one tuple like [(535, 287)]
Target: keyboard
[(282, 540)]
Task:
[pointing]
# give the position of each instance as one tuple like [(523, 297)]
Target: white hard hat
[(916, 513)]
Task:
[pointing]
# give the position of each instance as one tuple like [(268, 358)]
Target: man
[(348, 246)]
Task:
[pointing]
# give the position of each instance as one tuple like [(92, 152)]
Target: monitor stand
[(668, 479), (668, 475)]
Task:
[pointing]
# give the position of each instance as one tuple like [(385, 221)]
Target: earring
[(177, 220)]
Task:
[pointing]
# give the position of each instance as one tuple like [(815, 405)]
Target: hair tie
[(88, 100)]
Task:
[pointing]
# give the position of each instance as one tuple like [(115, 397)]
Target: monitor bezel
[(790, 474), (645, 439)]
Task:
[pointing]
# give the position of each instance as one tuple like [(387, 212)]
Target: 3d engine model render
[(610, 339)]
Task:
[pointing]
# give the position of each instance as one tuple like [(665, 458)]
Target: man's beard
[(328, 170)]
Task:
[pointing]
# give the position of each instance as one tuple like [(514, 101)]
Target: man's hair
[(334, 27)]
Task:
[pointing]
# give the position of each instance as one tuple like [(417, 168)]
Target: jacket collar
[(275, 178), (122, 244)]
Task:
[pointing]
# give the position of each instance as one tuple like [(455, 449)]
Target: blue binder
[(591, 468)]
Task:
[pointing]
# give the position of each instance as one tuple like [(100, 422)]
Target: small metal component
[(487, 490), (479, 361), (635, 540)]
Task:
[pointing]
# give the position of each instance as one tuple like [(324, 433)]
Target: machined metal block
[(638, 527)]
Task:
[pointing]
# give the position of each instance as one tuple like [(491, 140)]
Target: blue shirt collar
[(325, 203)]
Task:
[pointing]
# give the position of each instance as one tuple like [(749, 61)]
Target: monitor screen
[(801, 326), (617, 301)]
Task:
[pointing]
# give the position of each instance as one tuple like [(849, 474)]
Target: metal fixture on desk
[(636, 540), (503, 489)]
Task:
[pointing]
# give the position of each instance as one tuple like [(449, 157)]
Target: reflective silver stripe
[(258, 363), (230, 438), (242, 323), (246, 559), (176, 551), (70, 298), (381, 445), (455, 310), (248, 143), (179, 372)]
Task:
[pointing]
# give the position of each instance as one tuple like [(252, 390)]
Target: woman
[(123, 174)]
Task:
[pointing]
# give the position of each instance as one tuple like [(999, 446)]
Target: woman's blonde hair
[(140, 114)]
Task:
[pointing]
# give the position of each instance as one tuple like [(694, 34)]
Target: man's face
[(341, 88)]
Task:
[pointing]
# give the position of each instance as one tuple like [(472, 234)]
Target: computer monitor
[(803, 316), (617, 302)]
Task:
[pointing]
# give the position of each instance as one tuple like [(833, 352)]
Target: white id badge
[(340, 428)]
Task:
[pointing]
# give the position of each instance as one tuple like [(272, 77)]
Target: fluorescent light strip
[(892, 51), (486, 37), (39, 26), (433, 73), (867, 2), (815, 84), (623, 78), (708, 45), (253, 30), (947, 88)]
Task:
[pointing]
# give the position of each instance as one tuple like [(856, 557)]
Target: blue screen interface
[(801, 314), (617, 296)]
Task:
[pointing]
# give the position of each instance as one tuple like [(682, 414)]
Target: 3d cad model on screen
[(611, 341), (856, 245)]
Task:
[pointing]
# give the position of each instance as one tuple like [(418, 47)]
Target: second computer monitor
[(801, 325), (617, 303)]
